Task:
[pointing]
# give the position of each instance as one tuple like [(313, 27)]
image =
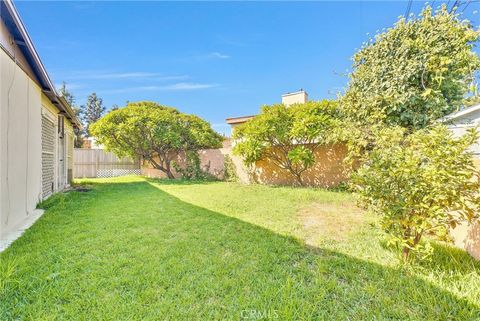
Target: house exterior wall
[(20, 165), (468, 236), (299, 97), (459, 126), (51, 112), (22, 105), (13, 50), (232, 128)]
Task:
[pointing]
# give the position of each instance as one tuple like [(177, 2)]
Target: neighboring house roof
[(297, 97), (460, 113), (15, 26), (238, 120)]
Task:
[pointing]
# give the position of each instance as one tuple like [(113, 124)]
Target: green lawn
[(138, 249)]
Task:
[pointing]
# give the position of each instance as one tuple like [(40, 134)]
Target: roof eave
[(459, 113), (35, 62), (239, 120)]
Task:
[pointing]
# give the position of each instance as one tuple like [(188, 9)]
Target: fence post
[(96, 162)]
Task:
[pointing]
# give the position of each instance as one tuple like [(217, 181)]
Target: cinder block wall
[(211, 160), (327, 172), (467, 236)]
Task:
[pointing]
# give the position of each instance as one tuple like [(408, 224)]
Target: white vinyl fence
[(100, 163)]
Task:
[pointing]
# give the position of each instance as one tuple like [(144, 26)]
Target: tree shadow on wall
[(327, 171)]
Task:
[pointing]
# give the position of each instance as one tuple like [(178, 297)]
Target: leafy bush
[(230, 172), (422, 183), (288, 136), (193, 169)]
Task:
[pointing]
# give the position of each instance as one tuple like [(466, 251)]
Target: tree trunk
[(168, 170), (169, 174), (406, 250), (405, 254), (298, 177)]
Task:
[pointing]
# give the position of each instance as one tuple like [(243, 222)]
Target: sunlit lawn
[(138, 249)]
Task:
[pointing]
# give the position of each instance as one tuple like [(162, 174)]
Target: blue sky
[(213, 59)]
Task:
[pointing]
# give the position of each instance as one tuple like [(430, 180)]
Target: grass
[(139, 249)]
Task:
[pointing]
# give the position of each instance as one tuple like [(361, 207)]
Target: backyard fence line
[(89, 163)]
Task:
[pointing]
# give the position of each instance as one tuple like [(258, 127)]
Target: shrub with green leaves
[(420, 184), (288, 136), (230, 170), (413, 73), (192, 168)]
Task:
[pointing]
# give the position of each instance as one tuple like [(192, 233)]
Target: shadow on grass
[(179, 181), (449, 259), (132, 251)]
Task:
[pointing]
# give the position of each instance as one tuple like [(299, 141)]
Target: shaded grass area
[(137, 249)]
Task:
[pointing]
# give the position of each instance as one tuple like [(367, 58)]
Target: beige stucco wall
[(21, 105), (20, 144)]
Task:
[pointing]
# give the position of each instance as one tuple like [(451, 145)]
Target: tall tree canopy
[(67, 95), (288, 136), (93, 111), (79, 134), (415, 72), (154, 132)]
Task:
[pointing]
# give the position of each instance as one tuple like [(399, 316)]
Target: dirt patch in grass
[(330, 221)]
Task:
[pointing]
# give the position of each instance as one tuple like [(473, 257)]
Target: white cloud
[(173, 87), (187, 86), (137, 75), (218, 55), (126, 75), (208, 56)]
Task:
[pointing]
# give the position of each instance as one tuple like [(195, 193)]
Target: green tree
[(414, 73), (413, 172), (156, 133), (67, 95), (79, 133), (420, 184), (288, 136), (93, 111)]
